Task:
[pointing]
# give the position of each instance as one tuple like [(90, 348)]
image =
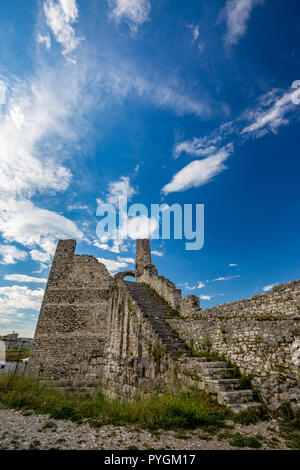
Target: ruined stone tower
[(143, 255), (71, 329)]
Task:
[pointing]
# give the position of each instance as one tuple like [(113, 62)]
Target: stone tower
[(143, 255), (71, 330)]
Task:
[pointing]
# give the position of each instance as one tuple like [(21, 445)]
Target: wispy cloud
[(16, 298), (197, 173), (237, 14), (77, 207), (195, 30), (133, 227), (11, 254), (157, 253), (22, 222), (199, 285), (120, 189), (44, 40), (226, 278), (24, 278), (270, 113), (134, 12), (60, 16), (231, 265), (167, 94), (205, 297), (269, 287), (116, 265)]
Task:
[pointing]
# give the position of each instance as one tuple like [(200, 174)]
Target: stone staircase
[(219, 380), (216, 378), (155, 311)]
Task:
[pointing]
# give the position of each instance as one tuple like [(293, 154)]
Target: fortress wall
[(260, 335), (283, 300), (190, 306), (163, 287), (146, 272), (136, 363), (71, 329)]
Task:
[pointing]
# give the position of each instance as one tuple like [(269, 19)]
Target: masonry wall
[(146, 272), (71, 329), (136, 362), (261, 335)]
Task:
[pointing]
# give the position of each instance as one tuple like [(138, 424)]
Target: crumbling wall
[(146, 272), (136, 362), (260, 335), (71, 329), (190, 306)]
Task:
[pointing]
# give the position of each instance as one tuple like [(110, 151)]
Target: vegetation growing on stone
[(164, 410)]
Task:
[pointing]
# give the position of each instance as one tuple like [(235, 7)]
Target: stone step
[(237, 407), (217, 365), (226, 384), (235, 396), (221, 373), (196, 360)]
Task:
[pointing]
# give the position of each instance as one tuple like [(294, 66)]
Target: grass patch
[(13, 354), (186, 410), (251, 416), (290, 427), (241, 440)]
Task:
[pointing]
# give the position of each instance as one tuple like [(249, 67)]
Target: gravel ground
[(20, 430)]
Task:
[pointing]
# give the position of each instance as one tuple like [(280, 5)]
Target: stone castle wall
[(71, 329), (146, 272), (92, 332), (136, 362), (260, 335)]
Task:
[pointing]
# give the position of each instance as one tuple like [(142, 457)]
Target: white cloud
[(60, 16), (22, 173), (34, 135), (200, 285), (231, 265), (168, 94), (195, 30), (76, 207), (157, 253), (115, 265), (227, 278), (197, 173), (268, 288), (205, 297), (3, 90), (141, 227), (30, 226), (102, 246), (134, 12), (24, 278), (16, 298), (195, 147), (41, 256), (11, 254), (44, 40), (120, 189), (270, 114), (237, 14), (24, 223)]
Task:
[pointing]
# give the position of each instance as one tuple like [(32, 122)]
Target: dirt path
[(22, 431)]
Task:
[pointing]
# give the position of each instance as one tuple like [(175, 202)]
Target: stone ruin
[(128, 339)]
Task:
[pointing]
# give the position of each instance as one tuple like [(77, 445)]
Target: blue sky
[(163, 101)]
